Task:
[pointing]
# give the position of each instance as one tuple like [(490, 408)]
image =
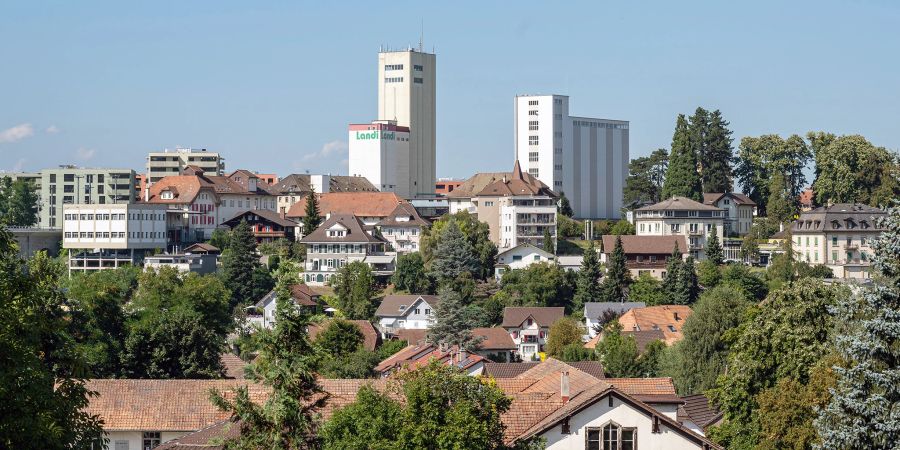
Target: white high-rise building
[(379, 151), (584, 158), (406, 94)]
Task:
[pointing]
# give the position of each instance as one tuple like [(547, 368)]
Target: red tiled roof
[(411, 336), (657, 318), (740, 199), (355, 231), (494, 338), (519, 183), (234, 365), (679, 204), (507, 370), (360, 204)]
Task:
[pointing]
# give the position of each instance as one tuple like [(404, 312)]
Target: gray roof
[(593, 310), (840, 217), (356, 232), (513, 316), (298, 183), (407, 212), (266, 214), (397, 305), (679, 204)]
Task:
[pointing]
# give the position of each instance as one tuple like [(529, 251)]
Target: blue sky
[(273, 86)]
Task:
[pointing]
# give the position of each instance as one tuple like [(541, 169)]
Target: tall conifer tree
[(238, 263), (312, 218), (682, 178), (717, 157), (615, 284), (587, 283), (714, 248)]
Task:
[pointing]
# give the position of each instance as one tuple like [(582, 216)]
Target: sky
[(273, 85)]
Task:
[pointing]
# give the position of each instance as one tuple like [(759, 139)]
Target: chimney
[(564, 386), (676, 316), (462, 355)]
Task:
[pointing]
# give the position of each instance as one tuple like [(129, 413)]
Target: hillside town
[(724, 292)]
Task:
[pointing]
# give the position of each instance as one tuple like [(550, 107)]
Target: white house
[(739, 211), (405, 312), (681, 216), (529, 327), (183, 262), (262, 314), (520, 257), (340, 240)]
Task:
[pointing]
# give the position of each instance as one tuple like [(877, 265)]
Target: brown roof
[(411, 336), (679, 204), (589, 367), (208, 438), (398, 304), (645, 245), (518, 183), (644, 337), (657, 318), (183, 187), (361, 204), (201, 247), (494, 338), (470, 187), (299, 183), (355, 232), (404, 214), (301, 293), (266, 214), (513, 316), (700, 411), (740, 199), (806, 198), (416, 355), (507, 370), (234, 365), (371, 338)]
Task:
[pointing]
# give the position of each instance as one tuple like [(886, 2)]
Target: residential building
[(598, 313), (570, 263), (701, 412), (445, 186), (340, 240), (406, 95), (199, 203), (583, 157), (202, 248), (403, 228), (294, 188), (529, 328), (262, 314), (738, 211), (839, 236), (681, 216), (379, 152), (644, 254), (405, 312), (371, 337), (424, 353), (666, 318), (31, 240), (106, 236), (182, 262), (167, 163), (431, 208), (76, 185), (269, 178), (520, 257), (370, 207), (266, 225), (463, 196)]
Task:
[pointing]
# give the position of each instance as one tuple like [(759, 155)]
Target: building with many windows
[(681, 216), (340, 240), (379, 152), (167, 163), (108, 236), (585, 158), (68, 184), (738, 211), (839, 236)]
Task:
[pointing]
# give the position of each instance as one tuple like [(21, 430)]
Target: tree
[(645, 178), (452, 327), (547, 240), (311, 216), (714, 248), (619, 355), (564, 207), (761, 158), (587, 285), (173, 345), (708, 274), (355, 365), (410, 275), (372, 422), (42, 399), (717, 155), (682, 178), (339, 338), (864, 402), (238, 263), (615, 284), (354, 286), (453, 255), (19, 206), (687, 286), (647, 289), (538, 285), (285, 364), (220, 238), (850, 169), (622, 227), (565, 331), (780, 207), (673, 267), (477, 233), (739, 276)]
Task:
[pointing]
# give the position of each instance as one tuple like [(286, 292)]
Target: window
[(121, 445), (417, 311), (427, 311), (613, 437), (557, 166), (533, 172), (517, 258), (151, 440), (393, 79), (557, 150), (532, 156), (417, 80), (53, 178), (532, 113), (537, 257), (532, 102), (533, 125), (393, 67), (532, 140), (68, 177), (68, 188), (417, 68)]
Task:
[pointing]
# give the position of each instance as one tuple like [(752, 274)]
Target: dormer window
[(167, 195)]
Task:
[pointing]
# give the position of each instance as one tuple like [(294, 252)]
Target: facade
[(183, 262), (594, 311), (266, 225), (739, 211), (262, 314), (407, 95), (403, 229), (167, 163), (340, 240), (75, 185), (379, 152), (405, 312), (839, 236), (529, 328), (109, 236), (444, 186), (645, 254), (666, 318), (681, 216), (294, 187), (520, 257), (31, 240), (585, 158)]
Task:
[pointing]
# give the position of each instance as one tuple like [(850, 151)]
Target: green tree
[(717, 155), (547, 241), (220, 238), (587, 285), (787, 410), (354, 286), (682, 178), (708, 274), (646, 288), (19, 206), (564, 207), (355, 365), (477, 234), (175, 344), (453, 255), (645, 178), (286, 363), (761, 158), (452, 326), (741, 277), (850, 169), (238, 263), (620, 357), (410, 275), (372, 422), (687, 287), (622, 227), (714, 251), (166, 291), (565, 331), (538, 285), (339, 338), (311, 215), (780, 207), (673, 268), (863, 407), (617, 279), (42, 398)]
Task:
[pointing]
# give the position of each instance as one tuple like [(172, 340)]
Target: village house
[(669, 319), (262, 314), (265, 225), (645, 254), (340, 240), (839, 236), (403, 228), (595, 311), (520, 257), (294, 187), (405, 312), (739, 211), (681, 216), (370, 207), (495, 345), (529, 328)]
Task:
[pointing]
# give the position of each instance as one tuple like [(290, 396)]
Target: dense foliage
[(354, 286), (19, 202)]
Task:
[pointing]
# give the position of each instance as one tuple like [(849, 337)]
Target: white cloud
[(16, 133), (327, 150), (85, 153), (52, 129)]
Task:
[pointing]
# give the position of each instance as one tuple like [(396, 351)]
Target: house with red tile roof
[(668, 319), (681, 216)]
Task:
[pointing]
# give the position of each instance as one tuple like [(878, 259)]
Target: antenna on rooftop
[(422, 36)]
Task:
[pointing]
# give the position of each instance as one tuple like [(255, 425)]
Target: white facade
[(419, 315), (379, 151), (140, 440), (520, 257), (585, 158), (119, 227), (185, 263), (407, 95), (523, 220)]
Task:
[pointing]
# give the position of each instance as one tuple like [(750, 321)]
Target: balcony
[(696, 232)]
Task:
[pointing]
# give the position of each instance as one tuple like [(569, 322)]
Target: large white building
[(406, 94), (585, 158), (681, 216), (109, 236), (379, 151)]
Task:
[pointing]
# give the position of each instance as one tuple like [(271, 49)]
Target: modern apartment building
[(582, 157), (839, 236), (681, 216), (406, 95), (379, 151), (75, 185), (165, 163), (106, 236)]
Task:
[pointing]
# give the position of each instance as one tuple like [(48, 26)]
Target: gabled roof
[(399, 304), (301, 293), (356, 232), (201, 247), (361, 204), (299, 184), (184, 189), (518, 183), (414, 356), (513, 316), (265, 214), (657, 318), (404, 215), (531, 247), (644, 337), (700, 411), (474, 184), (234, 366), (678, 204), (593, 310), (494, 338), (737, 197), (371, 337), (645, 245), (212, 437), (507, 370)]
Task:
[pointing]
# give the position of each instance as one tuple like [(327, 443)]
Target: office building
[(109, 236), (379, 152), (166, 162), (584, 158), (406, 94), (75, 185)]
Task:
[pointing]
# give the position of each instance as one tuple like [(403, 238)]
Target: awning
[(379, 259)]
